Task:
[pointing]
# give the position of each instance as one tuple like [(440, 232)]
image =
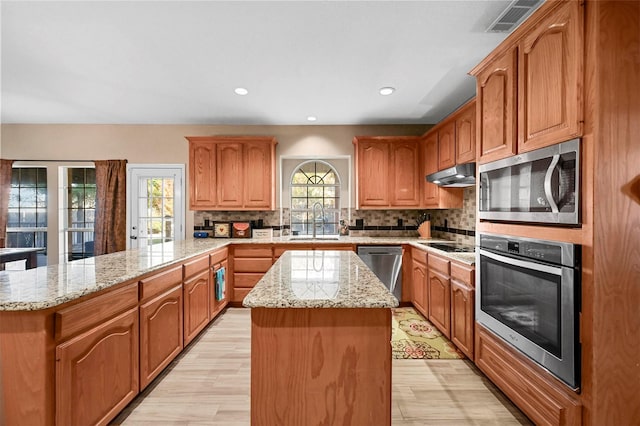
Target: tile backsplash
[(451, 224)]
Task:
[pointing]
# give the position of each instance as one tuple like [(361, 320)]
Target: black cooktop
[(451, 247)]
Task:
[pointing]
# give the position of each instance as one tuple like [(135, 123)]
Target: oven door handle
[(549, 269)]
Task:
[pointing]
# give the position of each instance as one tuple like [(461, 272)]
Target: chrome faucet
[(313, 210)]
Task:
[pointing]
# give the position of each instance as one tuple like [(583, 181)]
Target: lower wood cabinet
[(161, 333), (97, 372), (462, 308), (249, 265), (439, 288), (196, 304), (419, 281)]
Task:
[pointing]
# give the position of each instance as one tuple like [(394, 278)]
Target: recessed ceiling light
[(312, 118), (241, 91), (386, 91)]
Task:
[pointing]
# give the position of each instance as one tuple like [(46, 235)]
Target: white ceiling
[(178, 62)]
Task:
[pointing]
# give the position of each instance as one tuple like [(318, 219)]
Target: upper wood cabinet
[(550, 68), (232, 173), (466, 133), (447, 145), (434, 196), (530, 88), (387, 171)]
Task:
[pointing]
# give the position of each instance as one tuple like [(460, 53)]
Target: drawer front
[(84, 315), (419, 255), (160, 282), (332, 247), (252, 251), (195, 266), (246, 280), (463, 273), (278, 250), (219, 256), (239, 294), (251, 265), (437, 263)]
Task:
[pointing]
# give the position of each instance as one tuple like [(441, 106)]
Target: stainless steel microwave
[(541, 186)]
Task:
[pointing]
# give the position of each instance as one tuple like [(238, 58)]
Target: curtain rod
[(59, 161)]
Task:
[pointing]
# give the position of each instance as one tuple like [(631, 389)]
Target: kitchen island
[(320, 342)]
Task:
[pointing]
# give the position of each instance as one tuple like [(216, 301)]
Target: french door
[(155, 200)]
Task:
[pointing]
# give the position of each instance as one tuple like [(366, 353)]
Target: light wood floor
[(208, 384)]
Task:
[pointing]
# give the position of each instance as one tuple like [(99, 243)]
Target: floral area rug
[(413, 337)]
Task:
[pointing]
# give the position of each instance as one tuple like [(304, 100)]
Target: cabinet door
[(447, 146), (160, 333), (229, 174), (97, 372), (405, 173), (258, 176), (196, 305), (440, 301), (419, 280), (202, 175), (430, 165), (466, 135), (550, 68), (373, 174), (215, 304), (462, 317), (495, 100)]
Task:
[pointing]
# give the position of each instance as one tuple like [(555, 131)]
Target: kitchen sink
[(306, 238)]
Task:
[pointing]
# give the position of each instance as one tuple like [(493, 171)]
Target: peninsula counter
[(320, 342)]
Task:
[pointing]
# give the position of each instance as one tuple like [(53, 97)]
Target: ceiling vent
[(513, 15)]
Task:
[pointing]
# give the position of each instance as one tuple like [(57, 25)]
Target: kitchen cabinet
[(249, 265), (387, 171), (447, 145), (419, 281), (232, 172), (550, 69), (98, 366), (218, 261), (439, 293), (196, 293), (465, 121), (161, 322), (538, 73), (434, 196), (462, 307)]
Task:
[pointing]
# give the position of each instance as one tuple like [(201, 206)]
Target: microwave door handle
[(553, 270), (547, 183)]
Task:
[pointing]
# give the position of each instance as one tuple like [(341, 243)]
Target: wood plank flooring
[(209, 384)]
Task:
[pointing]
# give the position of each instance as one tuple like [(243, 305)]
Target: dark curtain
[(5, 188), (111, 198)]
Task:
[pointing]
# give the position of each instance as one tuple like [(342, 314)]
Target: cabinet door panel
[(550, 80), (196, 305), (419, 281), (447, 146), (405, 178), (466, 135), (202, 176), (160, 333), (430, 165), (462, 317), (97, 372), (229, 174), (440, 301), (258, 179), (373, 166), (495, 100)]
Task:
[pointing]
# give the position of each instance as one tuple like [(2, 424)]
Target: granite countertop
[(49, 286), (319, 279)]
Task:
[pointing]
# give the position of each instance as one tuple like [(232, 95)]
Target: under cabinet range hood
[(460, 175)]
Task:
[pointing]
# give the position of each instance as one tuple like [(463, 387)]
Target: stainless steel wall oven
[(529, 295), (540, 186)]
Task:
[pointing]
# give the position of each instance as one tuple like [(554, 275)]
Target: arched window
[(315, 199)]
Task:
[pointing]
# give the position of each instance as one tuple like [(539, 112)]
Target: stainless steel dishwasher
[(386, 263)]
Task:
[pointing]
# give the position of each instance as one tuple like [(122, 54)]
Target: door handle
[(133, 237), (547, 183)]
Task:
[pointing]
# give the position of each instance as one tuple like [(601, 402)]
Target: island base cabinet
[(97, 372), (161, 333), (311, 366), (196, 305)]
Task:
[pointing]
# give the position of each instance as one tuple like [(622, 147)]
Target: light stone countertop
[(49, 286), (319, 279)]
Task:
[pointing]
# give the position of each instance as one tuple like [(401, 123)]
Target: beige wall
[(166, 144)]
